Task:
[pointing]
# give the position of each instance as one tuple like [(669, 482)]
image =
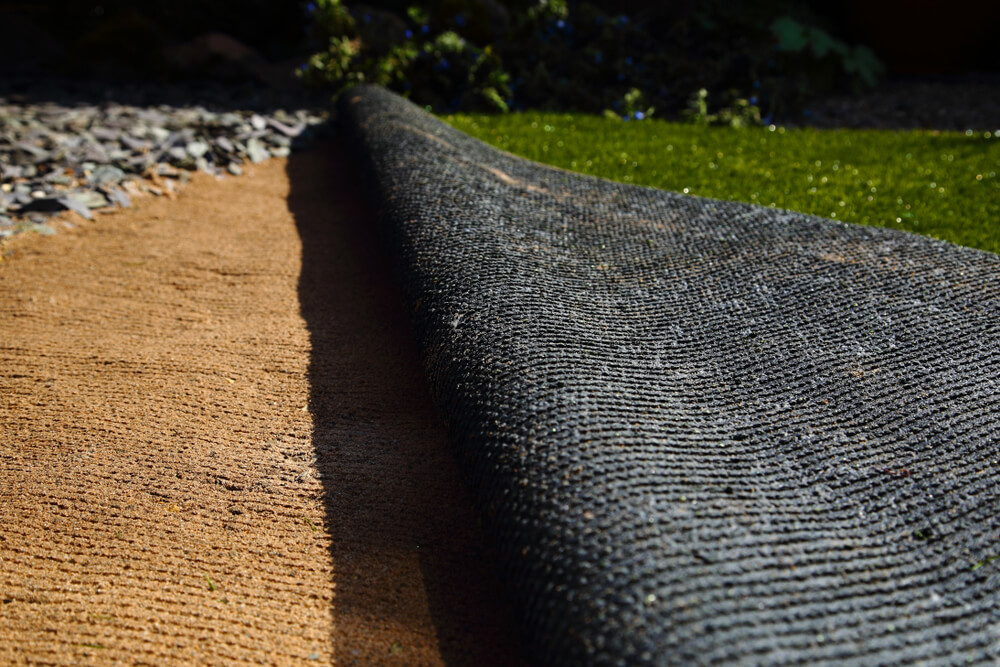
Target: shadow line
[(411, 577)]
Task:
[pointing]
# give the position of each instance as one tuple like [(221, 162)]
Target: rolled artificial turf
[(941, 184), (699, 431)]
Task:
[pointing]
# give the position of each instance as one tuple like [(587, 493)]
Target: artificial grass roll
[(699, 431), (941, 184)]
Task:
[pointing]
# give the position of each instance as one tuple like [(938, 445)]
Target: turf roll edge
[(698, 431)]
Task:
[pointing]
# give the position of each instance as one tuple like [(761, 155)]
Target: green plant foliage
[(549, 10), (863, 62), (740, 114), (418, 15), (336, 64), (798, 39), (332, 19), (945, 185), (438, 69), (634, 107), (550, 54)]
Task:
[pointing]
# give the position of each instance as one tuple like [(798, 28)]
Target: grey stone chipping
[(75, 156)]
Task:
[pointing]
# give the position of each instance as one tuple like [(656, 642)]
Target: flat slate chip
[(702, 432), (77, 206), (120, 197)]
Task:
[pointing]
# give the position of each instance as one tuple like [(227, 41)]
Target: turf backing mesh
[(698, 431)]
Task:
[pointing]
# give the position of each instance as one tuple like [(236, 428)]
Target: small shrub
[(634, 107), (442, 70), (741, 113)]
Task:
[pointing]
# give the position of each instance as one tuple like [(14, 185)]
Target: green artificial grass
[(942, 184)]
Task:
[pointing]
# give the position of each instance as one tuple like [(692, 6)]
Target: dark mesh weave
[(702, 432)]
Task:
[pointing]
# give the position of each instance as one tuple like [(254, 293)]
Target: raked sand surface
[(216, 446)]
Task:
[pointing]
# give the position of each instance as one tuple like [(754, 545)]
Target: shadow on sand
[(407, 555)]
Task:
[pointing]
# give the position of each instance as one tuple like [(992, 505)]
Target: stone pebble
[(85, 157)]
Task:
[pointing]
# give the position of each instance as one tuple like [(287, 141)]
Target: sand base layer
[(216, 446)]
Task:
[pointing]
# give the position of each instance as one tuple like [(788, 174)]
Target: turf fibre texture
[(940, 184), (698, 431)]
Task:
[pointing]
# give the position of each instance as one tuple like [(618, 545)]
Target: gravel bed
[(87, 157)]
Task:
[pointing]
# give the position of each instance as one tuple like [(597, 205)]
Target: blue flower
[(445, 64), (639, 115), (409, 34), (621, 77), (311, 7), (753, 99), (628, 60), (303, 67), (622, 20), (766, 120), (425, 28), (368, 18), (560, 23), (756, 84), (626, 117), (806, 113), (459, 20)]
